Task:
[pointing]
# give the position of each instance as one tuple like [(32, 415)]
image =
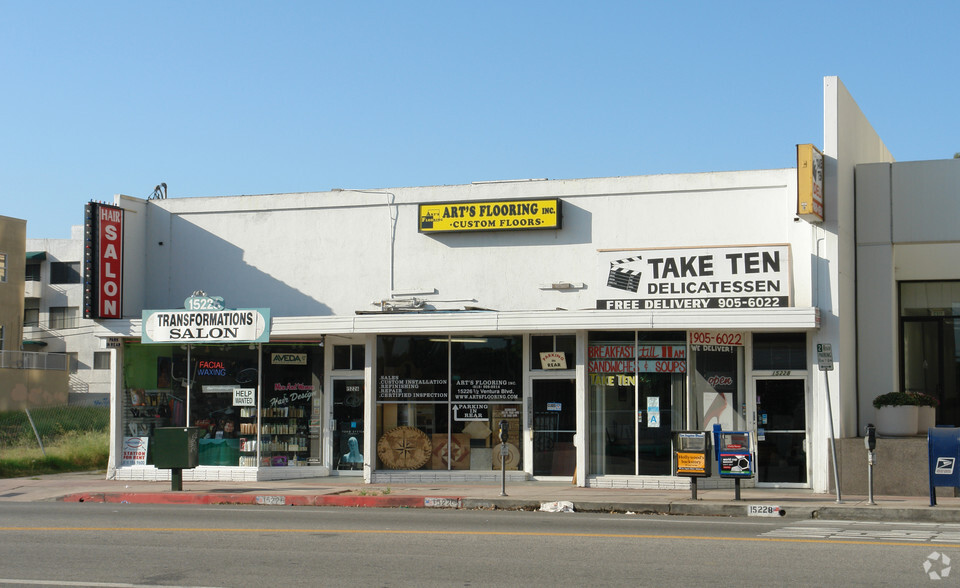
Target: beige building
[(27, 379), (13, 232)]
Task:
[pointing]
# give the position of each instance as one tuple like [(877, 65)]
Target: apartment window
[(31, 312), (65, 272), (1, 337), (64, 317), (101, 360), (3, 267), (32, 272)]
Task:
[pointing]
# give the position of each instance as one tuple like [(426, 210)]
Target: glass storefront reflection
[(279, 427), (440, 399)]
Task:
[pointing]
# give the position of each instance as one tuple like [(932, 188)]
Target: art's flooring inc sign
[(721, 277)]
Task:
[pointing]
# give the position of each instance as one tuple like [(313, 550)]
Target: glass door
[(348, 419), (781, 432), (554, 425)]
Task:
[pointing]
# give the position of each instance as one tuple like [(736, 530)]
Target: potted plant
[(897, 414), (926, 411)]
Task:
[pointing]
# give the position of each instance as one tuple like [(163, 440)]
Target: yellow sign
[(809, 183), (691, 464), (495, 215)]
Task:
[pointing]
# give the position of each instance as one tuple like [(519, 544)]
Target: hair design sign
[(243, 325), (693, 279), (508, 215)]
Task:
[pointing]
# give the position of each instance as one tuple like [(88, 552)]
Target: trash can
[(176, 449)]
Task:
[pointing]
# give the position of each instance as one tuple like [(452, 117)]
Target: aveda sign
[(288, 358)]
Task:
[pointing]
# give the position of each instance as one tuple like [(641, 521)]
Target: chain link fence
[(60, 428)]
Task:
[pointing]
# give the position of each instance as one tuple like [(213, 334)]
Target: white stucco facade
[(350, 267)]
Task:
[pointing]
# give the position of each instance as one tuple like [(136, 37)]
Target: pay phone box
[(692, 454), (734, 454)]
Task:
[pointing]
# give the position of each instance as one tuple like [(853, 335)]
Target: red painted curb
[(264, 499)]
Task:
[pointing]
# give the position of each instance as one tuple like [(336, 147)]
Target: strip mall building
[(389, 332)]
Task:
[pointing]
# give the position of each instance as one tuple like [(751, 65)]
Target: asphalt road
[(60, 544)]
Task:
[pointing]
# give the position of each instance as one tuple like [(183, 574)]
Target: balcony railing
[(34, 360)]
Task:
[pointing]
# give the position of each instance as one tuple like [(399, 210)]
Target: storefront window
[(151, 398), (290, 405), (440, 399), (553, 352), (780, 351), (157, 379), (718, 386), (636, 400), (930, 326)]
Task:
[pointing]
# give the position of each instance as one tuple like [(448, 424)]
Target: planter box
[(926, 419), (897, 421)]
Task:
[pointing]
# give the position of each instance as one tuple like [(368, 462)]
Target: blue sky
[(222, 98)]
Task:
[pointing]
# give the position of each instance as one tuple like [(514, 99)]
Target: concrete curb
[(928, 514), (679, 508), (264, 499)]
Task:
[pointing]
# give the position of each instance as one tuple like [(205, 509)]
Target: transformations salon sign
[(242, 325)]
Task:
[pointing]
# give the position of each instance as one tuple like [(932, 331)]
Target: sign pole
[(833, 441), (825, 359), (504, 426)]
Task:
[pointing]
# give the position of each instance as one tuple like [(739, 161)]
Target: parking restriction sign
[(825, 356)]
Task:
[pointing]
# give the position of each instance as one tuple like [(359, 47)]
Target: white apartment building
[(52, 318)]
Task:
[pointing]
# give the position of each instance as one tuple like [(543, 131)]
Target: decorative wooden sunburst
[(404, 448)]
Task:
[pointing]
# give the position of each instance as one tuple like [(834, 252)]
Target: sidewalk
[(350, 491)]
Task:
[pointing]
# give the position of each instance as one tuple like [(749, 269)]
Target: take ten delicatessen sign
[(718, 277)]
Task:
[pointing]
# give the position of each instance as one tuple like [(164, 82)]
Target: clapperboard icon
[(622, 278), (945, 465)]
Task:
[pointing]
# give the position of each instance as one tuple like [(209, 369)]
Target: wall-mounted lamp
[(563, 286)]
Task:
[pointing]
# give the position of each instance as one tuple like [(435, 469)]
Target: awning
[(36, 255), (37, 343)]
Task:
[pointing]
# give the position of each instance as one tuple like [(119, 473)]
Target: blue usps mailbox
[(943, 446)]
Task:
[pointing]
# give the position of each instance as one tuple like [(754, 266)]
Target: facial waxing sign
[(695, 278)]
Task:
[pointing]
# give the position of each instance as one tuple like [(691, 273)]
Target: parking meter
[(504, 429), (870, 442), (870, 438)]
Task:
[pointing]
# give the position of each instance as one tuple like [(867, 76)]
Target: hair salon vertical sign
[(103, 261)]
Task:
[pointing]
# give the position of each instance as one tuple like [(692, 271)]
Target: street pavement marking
[(917, 532), (766, 537), (21, 582)]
